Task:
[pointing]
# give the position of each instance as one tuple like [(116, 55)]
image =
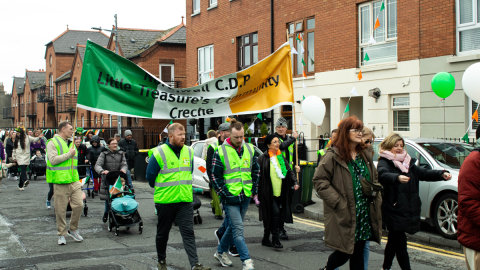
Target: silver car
[(199, 171), (439, 199)]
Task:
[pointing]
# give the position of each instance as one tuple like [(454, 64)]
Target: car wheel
[(445, 215)]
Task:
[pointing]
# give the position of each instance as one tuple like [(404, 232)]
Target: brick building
[(415, 40), (6, 113), (17, 100), (34, 80)]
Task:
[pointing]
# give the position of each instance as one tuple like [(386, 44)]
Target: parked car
[(200, 178), (439, 199)]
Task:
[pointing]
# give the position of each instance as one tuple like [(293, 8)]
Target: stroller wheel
[(140, 227), (88, 193), (116, 231), (93, 194), (200, 219), (85, 211), (110, 223), (35, 178), (128, 228)]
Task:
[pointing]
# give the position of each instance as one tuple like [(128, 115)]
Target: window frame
[(75, 86), (195, 11), (472, 130), (210, 4), (371, 26), (304, 31), (212, 69), (466, 26), (400, 108), (241, 48)]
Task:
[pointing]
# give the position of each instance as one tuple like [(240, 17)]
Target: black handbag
[(196, 202), (369, 189), (302, 147)]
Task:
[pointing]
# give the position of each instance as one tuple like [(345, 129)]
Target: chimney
[(1, 87)]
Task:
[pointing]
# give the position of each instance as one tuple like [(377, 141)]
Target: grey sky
[(26, 26)]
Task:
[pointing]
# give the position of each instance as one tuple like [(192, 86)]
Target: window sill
[(195, 14), (212, 7), (312, 77), (384, 66), (455, 59)]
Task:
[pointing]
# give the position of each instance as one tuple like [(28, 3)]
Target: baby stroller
[(123, 210), (37, 166), (197, 219)]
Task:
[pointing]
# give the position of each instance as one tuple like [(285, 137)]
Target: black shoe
[(283, 235), (219, 217), (233, 251), (266, 242), (219, 236), (25, 184), (276, 243), (105, 217)]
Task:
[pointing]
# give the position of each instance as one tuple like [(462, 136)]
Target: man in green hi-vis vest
[(235, 174), (287, 146), (170, 172), (62, 160)]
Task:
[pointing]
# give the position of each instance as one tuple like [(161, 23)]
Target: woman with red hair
[(352, 217)]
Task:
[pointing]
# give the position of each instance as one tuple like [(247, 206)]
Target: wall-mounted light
[(375, 93)]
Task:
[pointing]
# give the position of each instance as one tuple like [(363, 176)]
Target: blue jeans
[(366, 255), (129, 179), (225, 224), (236, 214)]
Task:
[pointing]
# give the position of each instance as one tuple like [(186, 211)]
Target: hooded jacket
[(23, 155), (94, 152), (131, 150), (111, 161)]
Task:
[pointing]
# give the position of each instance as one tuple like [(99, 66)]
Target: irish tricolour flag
[(114, 85), (84, 180), (117, 187)]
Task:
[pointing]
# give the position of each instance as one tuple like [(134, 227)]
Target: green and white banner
[(114, 85)]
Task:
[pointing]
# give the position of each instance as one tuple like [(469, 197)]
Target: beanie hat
[(224, 127), (128, 132), (281, 122), (268, 140)]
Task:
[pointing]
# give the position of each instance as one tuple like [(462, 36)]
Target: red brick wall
[(424, 29)]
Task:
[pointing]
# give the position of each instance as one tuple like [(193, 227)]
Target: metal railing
[(8, 113), (174, 84), (45, 94), (66, 103)]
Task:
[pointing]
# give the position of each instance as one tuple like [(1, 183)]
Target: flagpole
[(293, 116)]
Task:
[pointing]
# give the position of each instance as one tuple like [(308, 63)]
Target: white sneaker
[(248, 265), (223, 259), (75, 235), (16, 178), (62, 240)]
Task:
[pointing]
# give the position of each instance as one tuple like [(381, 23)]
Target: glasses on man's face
[(358, 131)]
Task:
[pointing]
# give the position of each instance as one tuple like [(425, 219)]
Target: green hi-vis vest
[(323, 151), (62, 173), (290, 152), (214, 146), (237, 173), (174, 181)]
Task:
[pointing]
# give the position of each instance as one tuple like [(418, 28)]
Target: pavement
[(427, 235), (28, 239)]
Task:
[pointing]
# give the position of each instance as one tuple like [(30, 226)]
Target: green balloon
[(443, 84)]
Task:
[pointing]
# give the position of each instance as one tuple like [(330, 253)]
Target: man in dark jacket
[(92, 155), (468, 233), (287, 146), (130, 147)]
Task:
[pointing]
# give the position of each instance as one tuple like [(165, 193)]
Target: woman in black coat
[(94, 152), (401, 206), (82, 156), (9, 150), (274, 194)]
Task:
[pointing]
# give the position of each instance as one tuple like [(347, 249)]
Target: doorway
[(167, 74)]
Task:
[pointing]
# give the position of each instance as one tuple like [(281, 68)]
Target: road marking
[(411, 245)]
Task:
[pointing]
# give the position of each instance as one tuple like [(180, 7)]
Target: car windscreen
[(449, 155)]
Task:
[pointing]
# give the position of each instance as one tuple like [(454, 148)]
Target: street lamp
[(119, 118)]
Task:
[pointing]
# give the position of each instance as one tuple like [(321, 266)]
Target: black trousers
[(338, 258), (396, 246), (50, 192), (276, 221), (183, 214), (23, 175)]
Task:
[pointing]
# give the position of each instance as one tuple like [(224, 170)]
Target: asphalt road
[(28, 239)]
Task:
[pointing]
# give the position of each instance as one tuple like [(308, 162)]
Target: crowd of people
[(359, 198)]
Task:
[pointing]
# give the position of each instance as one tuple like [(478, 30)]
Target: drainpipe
[(272, 50)]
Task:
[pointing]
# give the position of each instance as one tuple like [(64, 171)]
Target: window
[(60, 120), (67, 87), (401, 113), (196, 6), (60, 90), (205, 64), (468, 26), (51, 85), (303, 29), (83, 121), (50, 60), (110, 116), (475, 124), (385, 36), (96, 120), (247, 50), (101, 120), (422, 162), (197, 149), (213, 3), (75, 87), (167, 74)]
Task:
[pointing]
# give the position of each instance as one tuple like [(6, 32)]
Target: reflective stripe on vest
[(65, 172), (237, 173), (174, 181), (290, 152)]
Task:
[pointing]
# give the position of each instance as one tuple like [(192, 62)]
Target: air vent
[(73, 47), (132, 40)]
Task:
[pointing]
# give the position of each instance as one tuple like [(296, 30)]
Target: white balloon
[(471, 82), (314, 109)]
